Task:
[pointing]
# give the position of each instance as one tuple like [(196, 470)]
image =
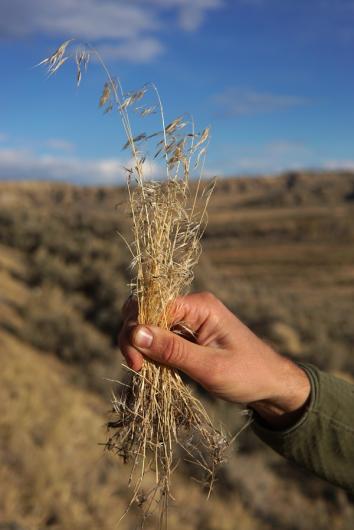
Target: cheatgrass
[(155, 412)]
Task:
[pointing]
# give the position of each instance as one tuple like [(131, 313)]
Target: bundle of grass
[(156, 411)]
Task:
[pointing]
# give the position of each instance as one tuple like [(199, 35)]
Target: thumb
[(172, 350)]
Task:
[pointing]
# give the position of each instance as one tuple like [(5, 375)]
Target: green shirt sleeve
[(322, 441)]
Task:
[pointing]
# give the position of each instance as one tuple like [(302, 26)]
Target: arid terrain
[(279, 251)]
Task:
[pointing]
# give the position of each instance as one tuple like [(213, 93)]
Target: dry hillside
[(278, 250)]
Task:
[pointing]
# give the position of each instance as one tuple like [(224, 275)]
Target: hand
[(227, 359)]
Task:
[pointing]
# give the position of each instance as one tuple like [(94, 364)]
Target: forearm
[(288, 400), (322, 437)]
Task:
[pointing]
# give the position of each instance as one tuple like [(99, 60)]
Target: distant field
[(279, 251)]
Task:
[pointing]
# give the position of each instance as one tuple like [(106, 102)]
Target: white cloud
[(129, 30), (339, 164), (24, 164), (286, 148), (190, 13), (85, 19), (234, 102), (59, 144), (138, 51), (91, 19), (273, 157)]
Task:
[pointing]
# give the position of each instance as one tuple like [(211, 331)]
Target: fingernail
[(142, 338)]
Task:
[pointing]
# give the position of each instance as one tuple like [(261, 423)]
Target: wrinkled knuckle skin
[(205, 294), (173, 352), (208, 297)]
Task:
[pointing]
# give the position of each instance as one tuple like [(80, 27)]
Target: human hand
[(227, 358)]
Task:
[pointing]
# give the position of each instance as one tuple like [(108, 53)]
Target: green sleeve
[(322, 441)]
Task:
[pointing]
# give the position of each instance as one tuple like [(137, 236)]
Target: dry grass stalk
[(156, 411)]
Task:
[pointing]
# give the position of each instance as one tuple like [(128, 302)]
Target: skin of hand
[(225, 357)]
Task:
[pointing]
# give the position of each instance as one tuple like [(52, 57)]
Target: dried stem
[(156, 412)]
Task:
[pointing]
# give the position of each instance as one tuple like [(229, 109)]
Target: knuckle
[(208, 297)]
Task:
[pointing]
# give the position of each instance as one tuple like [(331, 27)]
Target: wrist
[(288, 398)]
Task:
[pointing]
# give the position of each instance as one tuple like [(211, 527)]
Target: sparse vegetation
[(271, 263)]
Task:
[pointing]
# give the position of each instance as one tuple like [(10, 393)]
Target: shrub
[(52, 324)]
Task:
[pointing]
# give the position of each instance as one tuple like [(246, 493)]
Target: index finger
[(130, 308), (192, 310)]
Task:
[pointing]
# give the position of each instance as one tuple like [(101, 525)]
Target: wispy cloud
[(135, 51), (125, 30), (339, 164), (273, 157), (234, 102), (190, 13), (25, 164), (3, 137), (86, 19), (60, 144)]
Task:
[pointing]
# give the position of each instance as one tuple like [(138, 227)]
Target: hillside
[(279, 251)]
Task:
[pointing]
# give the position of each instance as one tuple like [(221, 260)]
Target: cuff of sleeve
[(276, 438)]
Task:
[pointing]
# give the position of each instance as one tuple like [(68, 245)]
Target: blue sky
[(274, 79)]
